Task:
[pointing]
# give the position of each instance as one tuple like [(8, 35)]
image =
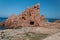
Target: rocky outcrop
[(11, 21), (29, 18), (31, 22)]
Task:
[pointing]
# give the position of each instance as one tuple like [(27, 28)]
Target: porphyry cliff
[(29, 18)]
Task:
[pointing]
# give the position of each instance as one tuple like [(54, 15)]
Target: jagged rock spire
[(37, 6)]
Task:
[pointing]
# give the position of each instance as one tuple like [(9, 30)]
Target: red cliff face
[(29, 18)]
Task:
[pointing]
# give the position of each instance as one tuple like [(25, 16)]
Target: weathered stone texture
[(29, 18), (11, 21)]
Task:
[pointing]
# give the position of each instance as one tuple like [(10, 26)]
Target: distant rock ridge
[(29, 18)]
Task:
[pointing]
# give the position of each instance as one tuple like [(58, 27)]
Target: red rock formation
[(29, 18), (43, 18), (10, 21)]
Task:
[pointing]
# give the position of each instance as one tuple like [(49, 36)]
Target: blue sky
[(50, 8)]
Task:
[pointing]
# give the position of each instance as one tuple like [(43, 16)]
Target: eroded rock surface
[(53, 37), (29, 18), (11, 21), (27, 33)]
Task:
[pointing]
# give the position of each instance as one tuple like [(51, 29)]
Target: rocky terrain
[(53, 37), (30, 33), (30, 25)]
